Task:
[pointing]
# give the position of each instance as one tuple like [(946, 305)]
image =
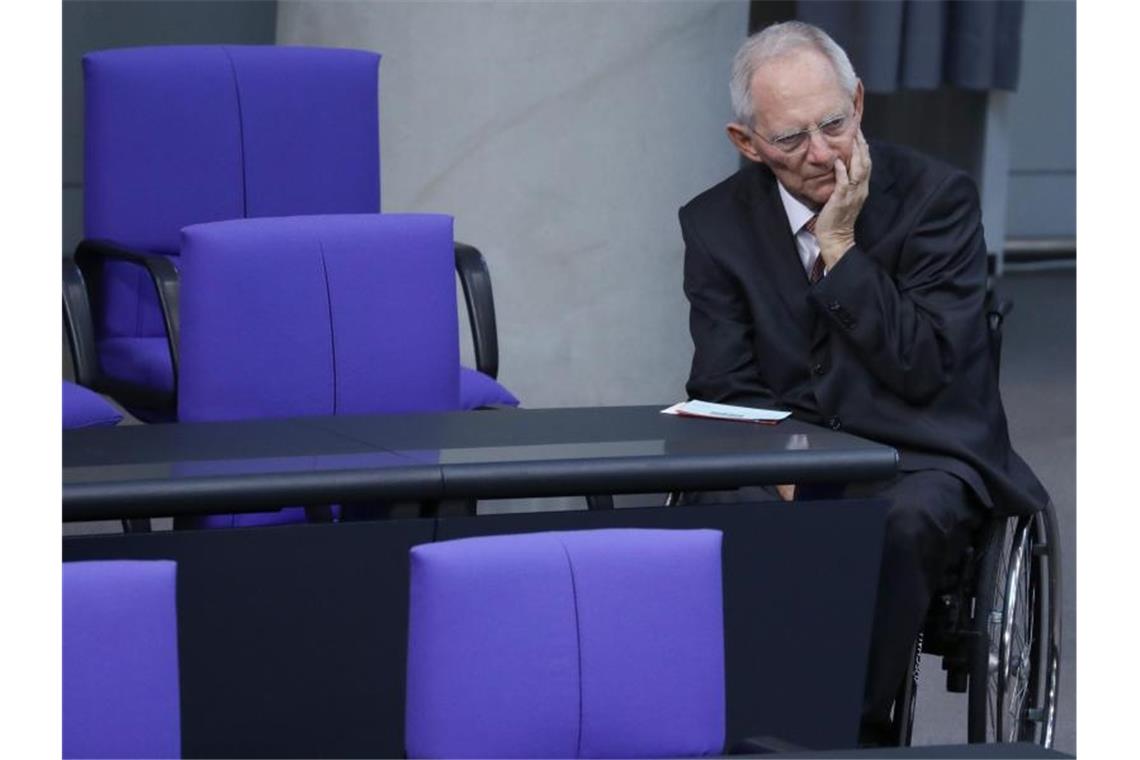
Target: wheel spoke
[(1018, 640), (1008, 679)]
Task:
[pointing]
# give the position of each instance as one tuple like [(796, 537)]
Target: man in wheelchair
[(846, 282)]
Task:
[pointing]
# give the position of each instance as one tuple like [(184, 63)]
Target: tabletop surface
[(487, 454)]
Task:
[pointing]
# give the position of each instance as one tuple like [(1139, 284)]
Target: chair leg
[(596, 502), (455, 508), (320, 513), (136, 525)]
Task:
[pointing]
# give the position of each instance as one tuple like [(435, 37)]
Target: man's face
[(790, 94)]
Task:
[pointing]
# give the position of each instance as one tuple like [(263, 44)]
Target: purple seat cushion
[(162, 143), (310, 129), (145, 361), (603, 643), (83, 407), (120, 660), (318, 315), (477, 389)]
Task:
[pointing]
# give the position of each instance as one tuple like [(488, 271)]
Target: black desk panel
[(162, 470)]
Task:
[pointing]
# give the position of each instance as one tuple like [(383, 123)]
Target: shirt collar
[(797, 213)]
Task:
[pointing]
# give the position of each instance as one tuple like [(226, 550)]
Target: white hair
[(773, 42)]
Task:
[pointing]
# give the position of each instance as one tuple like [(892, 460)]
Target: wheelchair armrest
[(80, 328), (162, 274), (998, 307), (763, 745), (476, 282), (997, 310)]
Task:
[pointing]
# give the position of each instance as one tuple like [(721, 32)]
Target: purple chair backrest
[(180, 135), (318, 315), (120, 660), (605, 643)]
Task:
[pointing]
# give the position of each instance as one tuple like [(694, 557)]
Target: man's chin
[(819, 194)]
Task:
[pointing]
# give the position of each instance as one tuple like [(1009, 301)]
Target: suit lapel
[(879, 211), (776, 248)]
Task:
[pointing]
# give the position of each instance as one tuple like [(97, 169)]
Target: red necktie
[(816, 273)]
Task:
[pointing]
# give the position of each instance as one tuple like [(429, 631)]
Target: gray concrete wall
[(562, 136)]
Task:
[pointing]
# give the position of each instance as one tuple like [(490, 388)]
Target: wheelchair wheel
[(902, 713), (1017, 607)]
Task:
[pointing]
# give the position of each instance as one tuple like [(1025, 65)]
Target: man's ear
[(858, 101), (742, 139)]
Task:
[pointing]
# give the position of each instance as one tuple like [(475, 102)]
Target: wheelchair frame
[(997, 624), (997, 627)]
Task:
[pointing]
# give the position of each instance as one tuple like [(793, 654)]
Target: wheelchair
[(997, 622)]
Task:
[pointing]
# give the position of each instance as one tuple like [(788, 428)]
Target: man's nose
[(819, 152)]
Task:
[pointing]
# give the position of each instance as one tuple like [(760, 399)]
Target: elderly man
[(845, 282)]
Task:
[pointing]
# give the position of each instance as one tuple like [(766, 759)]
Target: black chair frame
[(78, 325)]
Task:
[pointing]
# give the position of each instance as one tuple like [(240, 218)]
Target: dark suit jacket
[(891, 345)]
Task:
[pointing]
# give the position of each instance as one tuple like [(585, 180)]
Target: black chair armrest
[(476, 282), (79, 326), (998, 307), (997, 310), (162, 273)]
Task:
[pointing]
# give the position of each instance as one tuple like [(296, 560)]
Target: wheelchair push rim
[(1013, 680)]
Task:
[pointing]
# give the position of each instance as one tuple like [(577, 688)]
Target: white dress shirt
[(798, 215)]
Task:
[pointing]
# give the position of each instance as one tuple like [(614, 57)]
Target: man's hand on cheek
[(835, 227)]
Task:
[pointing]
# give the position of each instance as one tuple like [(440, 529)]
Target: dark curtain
[(925, 44)]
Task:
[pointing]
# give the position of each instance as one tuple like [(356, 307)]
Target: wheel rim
[(1049, 538), (1012, 638), (1015, 664)]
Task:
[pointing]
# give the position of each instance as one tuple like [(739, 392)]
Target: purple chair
[(181, 135), (120, 660), (316, 315), (598, 643)]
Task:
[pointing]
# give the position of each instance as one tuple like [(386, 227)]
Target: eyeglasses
[(833, 126)]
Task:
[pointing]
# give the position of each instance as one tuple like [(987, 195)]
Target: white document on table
[(726, 412)]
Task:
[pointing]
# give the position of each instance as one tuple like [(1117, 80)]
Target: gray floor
[(1039, 390)]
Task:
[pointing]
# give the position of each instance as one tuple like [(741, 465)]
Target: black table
[(292, 639), (195, 468)]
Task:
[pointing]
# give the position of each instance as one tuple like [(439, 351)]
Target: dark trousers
[(929, 524)]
